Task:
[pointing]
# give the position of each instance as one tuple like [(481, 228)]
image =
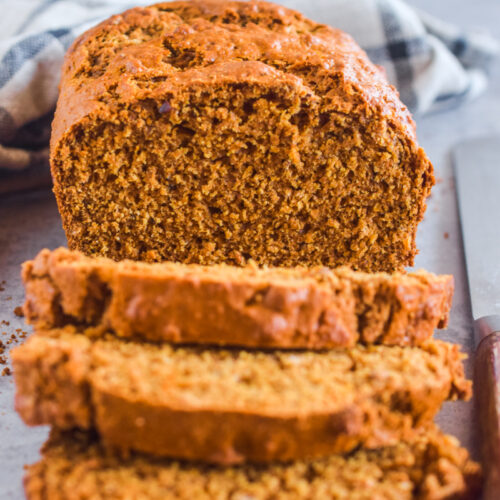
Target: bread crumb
[(6, 371), (14, 338), (18, 311), (446, 235)]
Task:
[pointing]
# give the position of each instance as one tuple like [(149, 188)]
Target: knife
[(477, 173)]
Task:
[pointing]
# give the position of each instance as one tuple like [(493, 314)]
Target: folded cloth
[(433, 64)]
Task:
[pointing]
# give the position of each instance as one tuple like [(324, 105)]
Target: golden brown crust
[(326, 117), (329, 48), (233, 406), (288, 308), (429, 467)]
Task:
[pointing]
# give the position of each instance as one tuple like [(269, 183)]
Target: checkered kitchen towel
[(433, 65)]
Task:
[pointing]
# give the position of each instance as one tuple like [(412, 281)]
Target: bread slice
[(231, 406), (432, 466), (218, 131), (251, 307)]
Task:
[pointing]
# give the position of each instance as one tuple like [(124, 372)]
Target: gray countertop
[(31, 222)]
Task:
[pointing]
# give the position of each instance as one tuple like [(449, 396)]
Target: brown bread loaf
[(430, 467), (290, 308), (214, 131), (232, 406)]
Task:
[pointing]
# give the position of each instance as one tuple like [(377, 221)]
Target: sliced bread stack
[(183, 381)]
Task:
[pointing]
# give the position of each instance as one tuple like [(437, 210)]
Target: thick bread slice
[(293, 308), (430, 467), (227, 406)]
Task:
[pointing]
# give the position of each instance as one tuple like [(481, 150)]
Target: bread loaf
[(215, 131)]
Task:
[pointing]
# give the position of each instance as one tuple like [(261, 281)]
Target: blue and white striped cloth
[(434, 65)]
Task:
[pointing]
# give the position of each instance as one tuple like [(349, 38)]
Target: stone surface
[(30, 222)]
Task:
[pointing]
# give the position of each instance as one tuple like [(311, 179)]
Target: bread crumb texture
[(208, 132), (431, 466)]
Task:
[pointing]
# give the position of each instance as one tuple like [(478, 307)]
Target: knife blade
[(477, 173)]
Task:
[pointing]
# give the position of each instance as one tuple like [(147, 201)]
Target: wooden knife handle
[(487, 395)]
